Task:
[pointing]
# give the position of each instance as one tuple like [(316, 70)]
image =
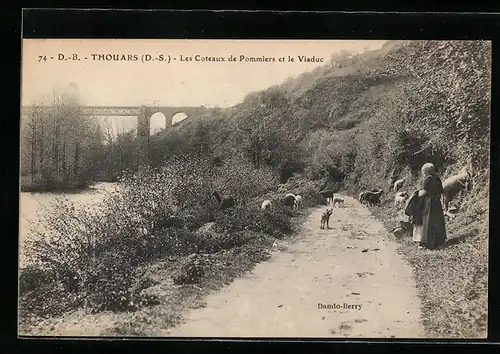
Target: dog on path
[(325, 218)]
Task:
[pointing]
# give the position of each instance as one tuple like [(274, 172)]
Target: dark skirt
[(432, 231)]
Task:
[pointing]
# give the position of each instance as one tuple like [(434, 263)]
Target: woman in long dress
[(430, 231)]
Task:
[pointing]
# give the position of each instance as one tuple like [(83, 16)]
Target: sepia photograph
[(181, 188)]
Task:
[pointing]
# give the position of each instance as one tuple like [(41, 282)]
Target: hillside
[(406, 95), (364, 121)]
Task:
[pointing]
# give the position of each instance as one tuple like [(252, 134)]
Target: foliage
[(274, 222)]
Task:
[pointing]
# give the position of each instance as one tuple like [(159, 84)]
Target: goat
[(338, 200), (454, 185), (400, 199), (298, 201), (373, 198), (266, 204), (398, 184), (325, 219), (223, 203), (290, 200), (328, 195)]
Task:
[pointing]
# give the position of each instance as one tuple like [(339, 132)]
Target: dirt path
[(280, 298)]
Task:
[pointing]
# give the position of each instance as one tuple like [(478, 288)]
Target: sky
[(179, 82)]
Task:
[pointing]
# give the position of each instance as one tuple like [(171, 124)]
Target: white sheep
[(400, 199), (266, 204), (398, 184), (298, 201), (338, 200), (454, 185)]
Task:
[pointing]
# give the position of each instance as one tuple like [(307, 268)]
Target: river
[(31, 203)]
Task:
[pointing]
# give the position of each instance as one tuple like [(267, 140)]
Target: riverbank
[(28, 186), (103, 258), (31, 204)]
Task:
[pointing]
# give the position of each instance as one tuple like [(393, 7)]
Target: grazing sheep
[(266, 204), (373, 198), (328, 195), (400, 199), (455, 185), (398, 184), (289, 200), (338, 200), (325, 219), (223, 203), (298, 201)]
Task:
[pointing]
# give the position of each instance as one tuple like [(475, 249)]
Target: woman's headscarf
[(428, 169)]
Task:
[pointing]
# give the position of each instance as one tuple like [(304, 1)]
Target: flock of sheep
[(291, 200), (295, 201), (452, 187)]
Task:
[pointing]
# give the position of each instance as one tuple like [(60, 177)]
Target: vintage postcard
[(254, 188)]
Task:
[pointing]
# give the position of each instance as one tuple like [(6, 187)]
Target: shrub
[(32, 278), (274, 222), (238, 178)]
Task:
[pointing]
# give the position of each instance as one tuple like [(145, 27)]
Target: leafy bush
[(32, 278), (274, 222), (238, 178)]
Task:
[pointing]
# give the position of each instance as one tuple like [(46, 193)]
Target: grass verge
[(452, 281)]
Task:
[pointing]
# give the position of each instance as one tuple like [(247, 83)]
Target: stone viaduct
[(143, 114)]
